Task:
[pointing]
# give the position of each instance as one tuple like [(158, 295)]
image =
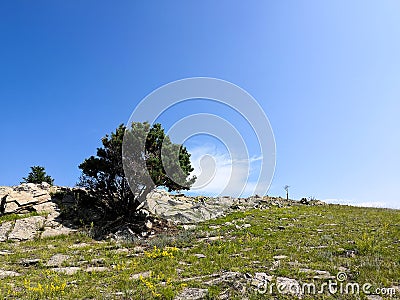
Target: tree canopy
[(38, 175), (131, 163)]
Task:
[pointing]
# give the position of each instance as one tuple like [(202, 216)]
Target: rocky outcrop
[(181, 209), (43, 199), (48, 201)]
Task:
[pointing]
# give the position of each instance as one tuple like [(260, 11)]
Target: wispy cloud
[(379, 204), (219, 174)]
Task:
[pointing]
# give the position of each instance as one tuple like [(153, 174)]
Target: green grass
[(313, 237), (13, 217)]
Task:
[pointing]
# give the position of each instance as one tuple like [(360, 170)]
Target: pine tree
[(38, 175)]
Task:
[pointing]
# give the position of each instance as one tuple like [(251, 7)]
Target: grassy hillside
[(310, 244)]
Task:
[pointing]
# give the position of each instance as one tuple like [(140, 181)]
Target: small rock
[(56, 260), (138, 275), (199, 255), (214, 227), (79, 245), (149, 225), (6, 252), (97, 261), (121, 250), (96, 269), (138, 249), (192, 294), (4, 273), (29, 262), (189, 227), (279, 257), (289, 286)]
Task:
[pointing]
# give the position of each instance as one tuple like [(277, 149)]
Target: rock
[(189, 227), (97, 261), (26, 229), (279, 257), (5, 228), (121, 251), (4, 273), (96, 269), (192, 294), (288, 286), (138, 275), (67, 270), (79, 245), (260, 279), (230, 277), (56, 260), (138, 249), (29, 262), (214, 227), (60, 230), (6, 252), (149, 225), (199, 255)]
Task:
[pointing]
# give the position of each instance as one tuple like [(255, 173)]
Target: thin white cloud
[(218, 174), (378, 204)]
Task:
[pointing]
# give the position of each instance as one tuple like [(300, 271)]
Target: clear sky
[(326, 73)]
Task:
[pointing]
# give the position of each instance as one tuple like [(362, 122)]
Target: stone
[(56, 260), (67, 270), (45, 207), (192, 294), (11, 207), (199, 255), (6, 252), (29, 262), (5, 228), (279, 257), (189, 227), (61, 230), (79, 245), (97, 261), (138, 275), (96, 269), (288, 286), (26, 229), (138, 249), (4, 273), (260, 279), (149, 225)]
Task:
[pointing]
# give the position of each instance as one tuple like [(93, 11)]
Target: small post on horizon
[(287, 191)]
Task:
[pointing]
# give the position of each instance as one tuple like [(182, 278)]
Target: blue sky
[(326, 73)]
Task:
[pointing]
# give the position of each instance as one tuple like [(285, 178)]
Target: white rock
[(4, 273), (26, 229), (192, 294)]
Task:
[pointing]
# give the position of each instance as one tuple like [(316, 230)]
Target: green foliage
[(150, 160), (38, 175)]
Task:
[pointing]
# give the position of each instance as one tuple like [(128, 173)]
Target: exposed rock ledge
[(47, 201)]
